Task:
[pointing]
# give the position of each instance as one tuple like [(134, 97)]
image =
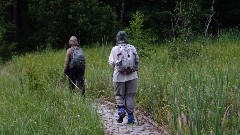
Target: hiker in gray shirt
[(124, 60)]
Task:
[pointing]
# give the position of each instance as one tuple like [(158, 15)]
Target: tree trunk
[(13, 19), (122, 12), (22, 24), (210, 19)]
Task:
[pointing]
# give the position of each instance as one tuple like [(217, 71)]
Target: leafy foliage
[(40, 23), (185, 22), (91, 20), (137, 35), (185, 30), (88, 20), (6, 47)]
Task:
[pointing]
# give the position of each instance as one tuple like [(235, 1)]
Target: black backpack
[(78, 59)]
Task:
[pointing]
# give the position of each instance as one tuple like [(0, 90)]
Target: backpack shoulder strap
[(133, 49), (81, 49), (119, 49), (73, 49)]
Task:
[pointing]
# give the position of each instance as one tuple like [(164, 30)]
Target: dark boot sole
[(132, 122), (120, 119)]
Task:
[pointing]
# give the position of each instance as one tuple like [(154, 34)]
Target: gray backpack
[(78, 58), (127, 61)]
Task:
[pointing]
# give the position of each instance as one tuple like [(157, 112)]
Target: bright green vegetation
[(198, 95), (34, 99), (194, 95)]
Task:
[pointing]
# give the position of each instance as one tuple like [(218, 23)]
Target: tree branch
[(210, 19)]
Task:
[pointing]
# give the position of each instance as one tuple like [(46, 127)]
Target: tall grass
[(98, 72), (35, 99), (199, 95), (205, 90)]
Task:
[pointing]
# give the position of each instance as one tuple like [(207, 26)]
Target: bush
[(183, 51), (139, 37)]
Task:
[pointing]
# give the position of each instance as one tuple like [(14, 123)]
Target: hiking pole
[(72, 81), (86, 82)]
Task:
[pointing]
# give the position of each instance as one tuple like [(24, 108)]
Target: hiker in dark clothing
[(74, 66)]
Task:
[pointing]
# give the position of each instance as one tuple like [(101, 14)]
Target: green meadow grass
[(198, 95), (35, 99)]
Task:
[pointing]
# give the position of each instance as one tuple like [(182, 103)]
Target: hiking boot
[(121, 114), (131, 119)]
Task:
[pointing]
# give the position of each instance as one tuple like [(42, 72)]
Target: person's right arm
[(111, 60), (66, 62)]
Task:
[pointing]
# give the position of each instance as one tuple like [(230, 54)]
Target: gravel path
[(142, 126)]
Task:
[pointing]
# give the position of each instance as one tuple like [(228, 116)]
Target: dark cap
[(122, 34)]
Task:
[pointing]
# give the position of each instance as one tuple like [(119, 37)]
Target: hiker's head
[(73, 41), (122, 37)]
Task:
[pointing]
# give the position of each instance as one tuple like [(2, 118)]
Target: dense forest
[(28, 25)]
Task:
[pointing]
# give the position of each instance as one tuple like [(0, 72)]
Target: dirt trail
[(142, 126)]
